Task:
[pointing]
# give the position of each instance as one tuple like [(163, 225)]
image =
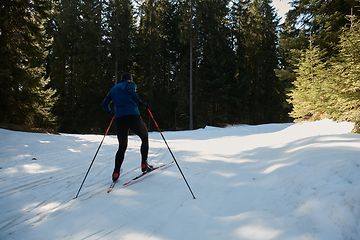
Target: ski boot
[(115, 176), (145, 167)]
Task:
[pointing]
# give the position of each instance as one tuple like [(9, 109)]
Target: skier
[(127, 116)]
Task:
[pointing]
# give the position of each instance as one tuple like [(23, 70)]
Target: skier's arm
[(106, 104)]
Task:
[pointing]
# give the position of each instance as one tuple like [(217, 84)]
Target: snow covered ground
[(273, 181)]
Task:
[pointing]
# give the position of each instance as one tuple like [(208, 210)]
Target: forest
[(196, 63)]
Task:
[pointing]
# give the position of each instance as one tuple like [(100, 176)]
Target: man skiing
[(127, 116)]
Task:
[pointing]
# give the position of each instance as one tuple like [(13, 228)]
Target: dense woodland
[(59, 59)]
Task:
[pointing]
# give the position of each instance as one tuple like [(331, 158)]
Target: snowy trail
[(273, 181)]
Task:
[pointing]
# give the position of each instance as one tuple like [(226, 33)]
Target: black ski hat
[(127, 76)]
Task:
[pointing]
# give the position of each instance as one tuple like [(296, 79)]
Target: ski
[(112, 185), (137, 178)]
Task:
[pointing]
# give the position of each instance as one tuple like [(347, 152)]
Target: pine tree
[(120, 34), (216, 63), (90, 68), (186, 13), (291, 42), (169, 93), (266, 93), (151, 63), (234, 57), (310, 97), (63, 61), (240, 87), (23, 49), (346, 75), (77, 65), (323, 19), (328, 86)]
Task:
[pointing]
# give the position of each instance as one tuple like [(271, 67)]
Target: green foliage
[(120, 34), (243, 67), (94, 42), (216, 64), (330, 87), (320, 18), (310, 95), (86, 53), (259, 58), (322, 77), (23, 49), (156, 45), (346, 75)]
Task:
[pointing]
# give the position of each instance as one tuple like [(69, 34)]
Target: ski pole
[(171, 154), (94, 157)]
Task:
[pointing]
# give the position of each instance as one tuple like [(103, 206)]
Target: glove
[(111, 113), (143, 105)]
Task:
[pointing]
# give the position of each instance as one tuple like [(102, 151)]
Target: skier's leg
[(122, 131), (138, 126)]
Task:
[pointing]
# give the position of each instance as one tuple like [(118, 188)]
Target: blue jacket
[(124, 97)]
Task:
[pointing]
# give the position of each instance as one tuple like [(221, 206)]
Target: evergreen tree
[(90, 75), (188, 42), (326, 84), (321, 18), (120, 36), (168, 88), (63, 61), (240, 87), (216, 63), (153, 49), (25, 97), (260, 59), (310, 97), (77, 65), (346, 75), (291, 42)]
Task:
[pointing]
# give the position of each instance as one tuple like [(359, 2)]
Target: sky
[(282, 7)]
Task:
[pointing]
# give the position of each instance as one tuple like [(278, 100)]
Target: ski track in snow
[(272, 181)]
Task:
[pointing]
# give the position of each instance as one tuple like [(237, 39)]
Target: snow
[(272, 181)]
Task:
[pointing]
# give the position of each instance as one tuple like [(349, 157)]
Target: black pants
[(137, 125)]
